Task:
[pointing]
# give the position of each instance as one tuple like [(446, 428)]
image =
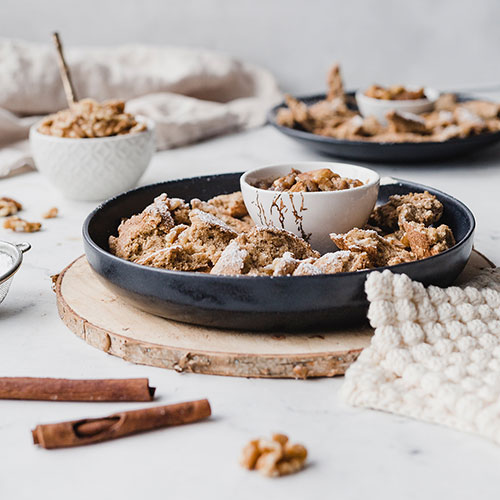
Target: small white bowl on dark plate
[(93, 169), (311, 215), (369, 106)]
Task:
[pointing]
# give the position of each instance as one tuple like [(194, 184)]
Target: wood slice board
[(103, 320)]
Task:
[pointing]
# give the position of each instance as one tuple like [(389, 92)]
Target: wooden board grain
[(104, 321)]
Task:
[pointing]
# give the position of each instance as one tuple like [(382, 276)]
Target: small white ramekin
[(93, 169), (369, 106), (315, 215)]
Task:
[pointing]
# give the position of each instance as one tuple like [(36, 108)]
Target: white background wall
[(443, 43)]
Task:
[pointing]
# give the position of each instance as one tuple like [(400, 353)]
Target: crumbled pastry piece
[(228, 207), (307, 269), (343, 261), (447, 133), (284, 265), (233, 261), (468, 122), (88, 119), (176, 258), (179, 210), (330, 113), (252, 252), (230, 204), (354, 128), (284, 117), (370, 127), (427, 241), (349, 129), (437, 120), (239, 225), (300, 113), (51, 213), (445, 102), (334, 83), (401, 121), (484, 109), (207, 234), (273, 457), (21, 226), (397, 238), (394, 93), (418, 207), (196, 247), (145, 233), (380, 251), (8, 206), (322, 179)]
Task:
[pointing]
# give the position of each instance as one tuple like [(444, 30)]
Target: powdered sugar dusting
[(210, 219), (231, 261), (307, 269), (5, 263)]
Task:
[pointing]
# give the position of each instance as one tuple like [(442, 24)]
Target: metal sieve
[(15, 252)]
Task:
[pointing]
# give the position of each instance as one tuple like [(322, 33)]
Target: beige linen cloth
[(435, 354), (192, 94)]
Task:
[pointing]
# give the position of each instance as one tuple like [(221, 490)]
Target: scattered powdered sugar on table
[(5, 263)]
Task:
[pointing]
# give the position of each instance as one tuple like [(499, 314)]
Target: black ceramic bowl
[(383, 151), (261, 302)]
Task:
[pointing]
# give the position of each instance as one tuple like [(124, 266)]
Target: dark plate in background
[(262, 302), (383, 151)]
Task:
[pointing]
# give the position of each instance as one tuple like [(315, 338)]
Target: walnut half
[(21, 226), (273, 457)]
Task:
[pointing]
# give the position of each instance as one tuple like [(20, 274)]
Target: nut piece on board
[(273, 457)]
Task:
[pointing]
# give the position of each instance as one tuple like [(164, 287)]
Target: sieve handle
[(24, 247)]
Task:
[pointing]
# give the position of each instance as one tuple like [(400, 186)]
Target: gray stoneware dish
[(259, 302), (407, 152)]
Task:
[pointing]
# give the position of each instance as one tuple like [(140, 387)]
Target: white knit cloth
[(435, 354)]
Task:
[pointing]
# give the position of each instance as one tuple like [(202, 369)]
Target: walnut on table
[(21, 226), (51, 213), (9, 206), (273, 457)]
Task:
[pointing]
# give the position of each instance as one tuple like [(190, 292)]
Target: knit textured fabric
[(435, 354)]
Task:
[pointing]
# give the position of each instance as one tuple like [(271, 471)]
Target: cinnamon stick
[(96, 430), (55, 389)]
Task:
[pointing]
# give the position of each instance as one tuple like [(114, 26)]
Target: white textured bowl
[(93, 169), (312, 216), (369, 106)]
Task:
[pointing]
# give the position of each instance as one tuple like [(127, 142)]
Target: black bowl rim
[(229, 279), (302, 134)]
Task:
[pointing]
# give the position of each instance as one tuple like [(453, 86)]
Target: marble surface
[(353, 453)]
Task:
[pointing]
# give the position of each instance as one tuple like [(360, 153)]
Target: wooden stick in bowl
[(64, 70)]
